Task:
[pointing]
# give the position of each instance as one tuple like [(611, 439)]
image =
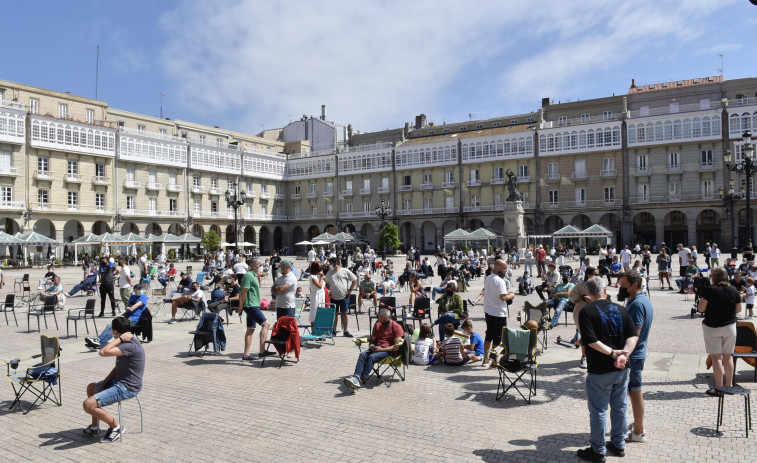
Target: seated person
[(744, 266), (299, 294), (560, 299), (183, 287), (367, 291), (194, 300), (465, 272), (739, 283), (385, 339), (425, 346), (136, 305), (691, 271), (87, 282), (452, 349), (123, 382), (416, 289), (443, 287), (525, 284), (56, 289), (226, 299), (550, 279), (450, 308), (48, 278), (616, 270), (475, 347), (386, 287), (475, 267), (170, 275)]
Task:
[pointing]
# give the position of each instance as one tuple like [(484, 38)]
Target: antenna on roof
[(97, 69), (470, 116), (721, 64), (161, 95)]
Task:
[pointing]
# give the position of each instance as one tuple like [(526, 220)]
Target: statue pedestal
[(514, 230)]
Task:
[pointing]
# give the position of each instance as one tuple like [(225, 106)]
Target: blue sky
[(247, 65)]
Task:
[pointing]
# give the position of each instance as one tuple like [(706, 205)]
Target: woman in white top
[(317, 291)]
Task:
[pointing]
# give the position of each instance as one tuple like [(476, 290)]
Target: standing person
[(663, 270), (625, 258), (284, 290), (610, 336), (317, 290), (684, 256), (541, 261), (142, 265), (496, 294), (715, 255), (580, 297), (124, 280), (123, 382), (341, 283), (528, 260), (106, 286), (707, 254), (749, 252), (640, 310), (720, 304), (311, 256), (249, 301), (646, 257), (240, 268)]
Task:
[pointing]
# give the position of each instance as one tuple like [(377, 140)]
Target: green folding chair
[(323, 326)]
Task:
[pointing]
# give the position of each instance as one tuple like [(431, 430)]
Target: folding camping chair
[(48, 308), (323, 326), (88, 313), (386, 302), (284, 334), (209, 331), (397, 360), (517, 356), (420, 311), (157, 304), (299, 307), (539, 314), (9, 306), (38, 379)]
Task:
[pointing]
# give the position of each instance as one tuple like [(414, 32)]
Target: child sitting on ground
[(425, 346), (453, 352), (474, 348), (749, 296), (525, 284)]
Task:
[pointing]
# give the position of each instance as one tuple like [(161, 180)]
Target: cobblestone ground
[(220, 408)]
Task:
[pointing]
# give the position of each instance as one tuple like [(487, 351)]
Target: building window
[(73, 167), (329, 209), (197, 207), (213, 183), (130, 174), (100, 170), (643, 190), (385, 182), (43, 196), (264, 188), (475, 175), (708, 188), (366, 183), (214, 206), (202, 139), (513, 121), (642, 161), (173, 205), (73, 199), (406, 204), (553, 197), (522, 171), (100, 200), (162, 133), (366, 206), (580, 196), (313, 210), (479, 126), (673, 160), (428, 203), (609, 193), (348, 208), (706, 158), (499, 173), (348, 185), (585, 118), (153, 201), (562, 120), (172, 179), (407, 180), (34, 105), (264, 210), (130, 202), (196, 181), (249, 211), (607, 116), (474, 201), (428, 178), (7, 194), (608, 164), (330, 187), (674, 188), (219, 142), (552, 169), (90, 116), (449, 176), (297, 190), (43, 164), (498, 199), (62, 111), (277, 189), (312, 189)]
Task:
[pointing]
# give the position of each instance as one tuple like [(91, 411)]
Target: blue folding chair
[(323, 326)]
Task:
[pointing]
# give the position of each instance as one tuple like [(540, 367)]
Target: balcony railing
[(328, 194), (433, 210), (552, 176), (154, 186), (8, 170), (448, 184), (427, 186), (174, 187), (365, 191), (215, 191), (296, 196), (73, 178), (265, 195), (673, 168), (608, 173), (64, 208), (12, 205), (707, 165), (155, 212), (250, 193), (523, 179), (278, 196), (100, 180), (383, 190), (646, 170), (348, 215), (580, 175), (406, 187), (498, 181), (198, 189), (347, 192), (132, 184), (44, 175), (474, 183), (312, 194), (490, 208)]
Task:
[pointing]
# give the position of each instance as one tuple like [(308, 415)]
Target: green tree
[(389, 237), (211, 241)]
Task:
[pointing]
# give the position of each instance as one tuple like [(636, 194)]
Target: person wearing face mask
[(560, 299), (579, 296), (450, 308), (496, 294), (136, 305), (107, 276)]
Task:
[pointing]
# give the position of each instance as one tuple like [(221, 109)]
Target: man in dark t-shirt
[(610, 336), (123, 382)]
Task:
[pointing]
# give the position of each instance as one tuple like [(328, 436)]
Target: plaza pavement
[(219, 408)]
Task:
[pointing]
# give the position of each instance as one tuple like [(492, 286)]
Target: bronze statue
[(512, 186)]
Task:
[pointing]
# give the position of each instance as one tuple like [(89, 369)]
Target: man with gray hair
[(610, 336), (384, 340)]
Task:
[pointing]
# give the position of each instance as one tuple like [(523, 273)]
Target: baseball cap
[(285, 263), (551, 264)]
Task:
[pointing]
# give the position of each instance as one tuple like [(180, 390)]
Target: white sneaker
[(172, 321), (639, 438), (583, 364)]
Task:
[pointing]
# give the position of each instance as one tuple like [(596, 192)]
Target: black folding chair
[(516, 360), (9, 306), (39, 379), (353, 308), (48, 308), (386, 302), (88, 313), (420, 311), (540, 314)]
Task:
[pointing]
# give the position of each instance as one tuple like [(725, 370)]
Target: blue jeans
[(78, 287), (437, 289), (559, 305), (443, 320), (603, 390), (365, 363), (107, 333), (163, 281), (112, 393)]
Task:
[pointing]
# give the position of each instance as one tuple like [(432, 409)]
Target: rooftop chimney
[(323, 112)]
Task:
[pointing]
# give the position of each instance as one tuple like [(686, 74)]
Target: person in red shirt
[(386, 335), (541, 259)]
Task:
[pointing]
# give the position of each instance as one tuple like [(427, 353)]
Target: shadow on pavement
[(548, 448), (69, 439)]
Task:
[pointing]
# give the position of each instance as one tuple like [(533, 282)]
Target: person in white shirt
[(142, 264), (496, 295), (715, 255), (311, 256), (625, 258), (749, 299), (684, 255), (161, 259), (240, 268), (124, 281)]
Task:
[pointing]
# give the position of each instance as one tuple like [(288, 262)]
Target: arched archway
[(498, 226), (153, 228), (128, 227), (644, 231), (448, 227), (176, 229), (11, 226), (552, 224), (612, 222), (674, 228), (407, 235), (581, 221), (349, 228), (370, 234), (72, 230), (249, 234), (197, 230), (278, 238), (528, 224), (428, 229), (708, 227), (229, 236), (265, 241), (313, 231), (45, 227), (298, 235), (331, 228), (100, 227), (475, 224)]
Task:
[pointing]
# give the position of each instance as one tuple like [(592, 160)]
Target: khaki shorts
[(721, 340)]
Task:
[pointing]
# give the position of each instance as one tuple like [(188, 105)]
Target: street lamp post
[(383, 211), (729, 200), (235, 199), (746, 166)]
